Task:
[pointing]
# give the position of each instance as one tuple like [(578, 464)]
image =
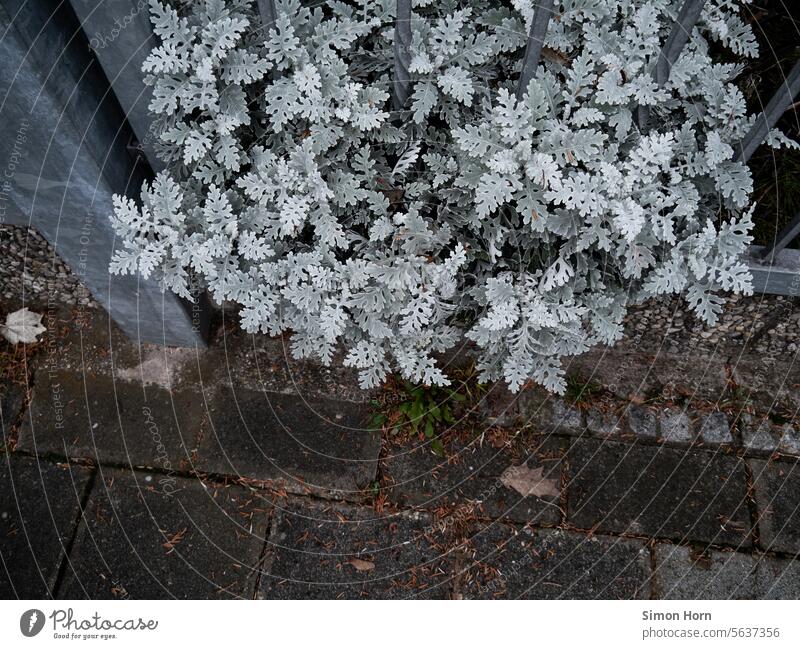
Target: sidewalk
[(236, 471)]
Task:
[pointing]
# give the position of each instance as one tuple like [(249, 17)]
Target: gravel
[(32, 273)]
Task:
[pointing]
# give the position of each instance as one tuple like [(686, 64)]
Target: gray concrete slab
[(777, 493), (310, 445), (469, 478), (510, 563), (658, 491), (39, 509), (317, 551), (142, 537)]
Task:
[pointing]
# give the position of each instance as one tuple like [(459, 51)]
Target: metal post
[(784, 238), (268, 14), (402, 54), (533, 50), (671, 50), (777, 106), (677, 39), (766, 121)]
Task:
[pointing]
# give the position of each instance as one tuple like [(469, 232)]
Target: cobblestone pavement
[(234, 471)]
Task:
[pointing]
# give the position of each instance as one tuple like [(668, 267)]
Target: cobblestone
[(642, 422), (681, 573), (789, 440), (715, 429), (675, 426), (566, 419), (757, 434), (605, 424)]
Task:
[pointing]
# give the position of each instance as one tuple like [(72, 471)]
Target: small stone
[(675, 426), (790, 440), (642, 422), (566, 418), (603, 423), (715, 429), (757, 434)]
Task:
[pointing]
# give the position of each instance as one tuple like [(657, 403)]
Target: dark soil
[(776, 173)]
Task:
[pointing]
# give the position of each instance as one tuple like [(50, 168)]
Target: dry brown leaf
[(554, 56), (172, 541), (362, 565), (529, 482)]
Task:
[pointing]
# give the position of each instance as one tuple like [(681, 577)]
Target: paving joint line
[(67, 550)]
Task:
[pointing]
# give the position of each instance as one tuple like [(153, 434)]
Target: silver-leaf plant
[(295, 191)]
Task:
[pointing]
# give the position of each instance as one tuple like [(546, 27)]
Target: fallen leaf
[(362, 565), (172, 541), (529, 482), (554, 56), (22, 326)]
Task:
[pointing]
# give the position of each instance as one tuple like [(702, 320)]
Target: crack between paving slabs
[(65, 559)]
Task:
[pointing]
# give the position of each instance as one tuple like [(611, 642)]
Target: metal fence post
[(677, 39), (777, 106), (266, 8), (671, 50), (402, 54), (533, 50)]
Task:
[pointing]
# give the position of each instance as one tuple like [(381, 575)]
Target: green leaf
[(437, 447), (429, 432), (416, 410)]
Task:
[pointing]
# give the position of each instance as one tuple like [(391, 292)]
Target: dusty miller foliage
[(293, 191)]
